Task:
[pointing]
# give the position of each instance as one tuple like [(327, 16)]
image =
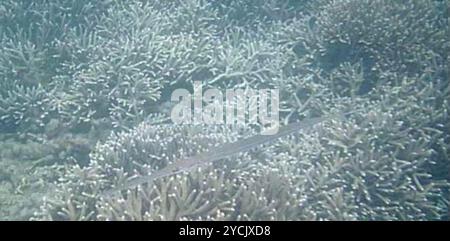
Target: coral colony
[(354, 96)]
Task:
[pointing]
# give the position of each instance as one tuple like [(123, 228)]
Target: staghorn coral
[(244, 59), (233, 192), (143, 141), (92, 66), (32, 36), (132, 60), (374, 166), (407, 37), (122, 58), (120, 65), (23, 108)]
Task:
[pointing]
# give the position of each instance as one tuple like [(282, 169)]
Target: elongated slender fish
[(221, 152)]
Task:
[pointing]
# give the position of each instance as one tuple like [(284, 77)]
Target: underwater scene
[(224, 110)]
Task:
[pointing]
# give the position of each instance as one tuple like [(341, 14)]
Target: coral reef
[(364, 169), (407, 37), (84, 87)]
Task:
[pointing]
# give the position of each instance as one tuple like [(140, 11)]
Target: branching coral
[(32, 36), (137, 152), (119, 63), (407, 37), (138, 50), (377, 168), (24, 108), (87, 66)]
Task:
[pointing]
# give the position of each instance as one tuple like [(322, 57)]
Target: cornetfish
[(221, 152)]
